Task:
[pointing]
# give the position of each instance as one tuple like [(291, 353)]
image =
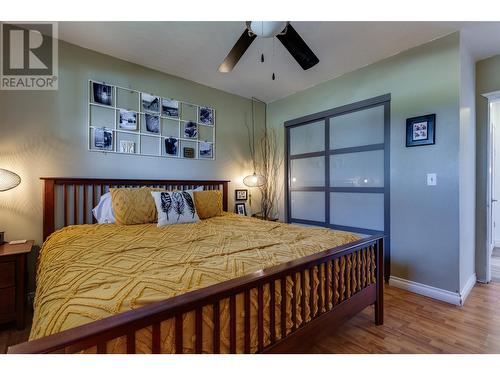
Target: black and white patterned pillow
[(175, 207)]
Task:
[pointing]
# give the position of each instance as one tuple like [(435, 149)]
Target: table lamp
[(8, 180)]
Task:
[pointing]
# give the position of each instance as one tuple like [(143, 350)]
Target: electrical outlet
[(431, 179)]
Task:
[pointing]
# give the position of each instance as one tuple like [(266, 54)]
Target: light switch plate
[(431, 179)]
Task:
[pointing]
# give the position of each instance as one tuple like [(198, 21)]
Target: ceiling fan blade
[(298, 48), (237, 51)]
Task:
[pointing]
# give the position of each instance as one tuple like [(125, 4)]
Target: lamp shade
[(254, 180), (8, 180)]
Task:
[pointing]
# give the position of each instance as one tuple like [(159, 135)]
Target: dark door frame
[(382, 100)]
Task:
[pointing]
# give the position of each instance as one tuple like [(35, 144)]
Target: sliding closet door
[(357, 183), (307, 169), (338, 168)]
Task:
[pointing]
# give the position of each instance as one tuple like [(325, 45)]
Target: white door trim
[(492, 98)]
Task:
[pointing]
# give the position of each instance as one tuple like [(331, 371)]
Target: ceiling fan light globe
[(267, 29)]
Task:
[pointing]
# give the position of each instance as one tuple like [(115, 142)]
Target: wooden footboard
[(285, 320), (332, 307)]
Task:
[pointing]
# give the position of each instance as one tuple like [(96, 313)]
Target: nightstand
[(13, 282)]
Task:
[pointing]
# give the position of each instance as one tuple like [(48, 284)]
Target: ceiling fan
[(285, 33)]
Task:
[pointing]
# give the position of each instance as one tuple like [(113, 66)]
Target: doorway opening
[(493, 199)]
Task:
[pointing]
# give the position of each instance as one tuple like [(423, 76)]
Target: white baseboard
[(426, 290), (433, 292), (467, 288)]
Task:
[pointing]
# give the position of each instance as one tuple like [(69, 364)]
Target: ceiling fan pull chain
[(274, 59)]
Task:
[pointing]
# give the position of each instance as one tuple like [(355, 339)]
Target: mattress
[(89, 272)]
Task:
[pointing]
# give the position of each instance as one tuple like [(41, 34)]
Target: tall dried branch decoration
[(270, 166), (267, 164)]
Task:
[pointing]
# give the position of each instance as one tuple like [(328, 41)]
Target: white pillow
[(103, 212), (175, 207)]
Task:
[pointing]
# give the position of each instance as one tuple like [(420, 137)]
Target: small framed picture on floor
[(241, 209)]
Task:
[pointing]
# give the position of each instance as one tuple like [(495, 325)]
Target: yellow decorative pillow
[(134, 205), (208, 203)]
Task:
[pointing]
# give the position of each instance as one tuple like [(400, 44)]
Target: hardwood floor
[(9, 335), (413, 324), (417, 324)]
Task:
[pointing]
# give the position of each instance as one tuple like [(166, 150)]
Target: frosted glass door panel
[(361, 210), (359, 169), (307, 138), (308, 172), (308, 205), (365, 127)]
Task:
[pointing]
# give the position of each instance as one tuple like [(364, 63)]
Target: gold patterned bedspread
[(88, 272)]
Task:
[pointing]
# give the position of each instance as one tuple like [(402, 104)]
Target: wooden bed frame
[(74, 198)]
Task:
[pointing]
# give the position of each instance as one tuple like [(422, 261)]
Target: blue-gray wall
[(424, 219)]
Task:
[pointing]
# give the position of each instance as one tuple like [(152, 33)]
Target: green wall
[(44, 133), (424, 220)]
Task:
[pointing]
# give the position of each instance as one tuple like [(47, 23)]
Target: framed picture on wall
[(152, 123), (206, 115), (241, 194), (421, 131), (169, 107), (103, 139), (127, 147), (190, 130), (171, 146), (206, 150), (241, 209), (103, 94), (150, 103), (127, 120)]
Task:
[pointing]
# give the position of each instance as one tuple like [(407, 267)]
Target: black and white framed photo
[(190, 130), (241, 209), (206, 115), (127, 120), (152, 123), (171, 146), (103, 94), (421, 130), (103, 139), (127, 147), (206, 150), (169, 107), (241, 194), (150, 103)]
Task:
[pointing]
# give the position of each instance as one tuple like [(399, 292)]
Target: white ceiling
[(194, 50)]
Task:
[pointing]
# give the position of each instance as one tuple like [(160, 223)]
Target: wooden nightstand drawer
[(7, 274), (13, 282), (7, 303)]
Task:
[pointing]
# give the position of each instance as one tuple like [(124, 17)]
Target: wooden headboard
[(69, 201)]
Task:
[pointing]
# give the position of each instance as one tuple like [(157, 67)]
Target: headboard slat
[(81, 208)]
